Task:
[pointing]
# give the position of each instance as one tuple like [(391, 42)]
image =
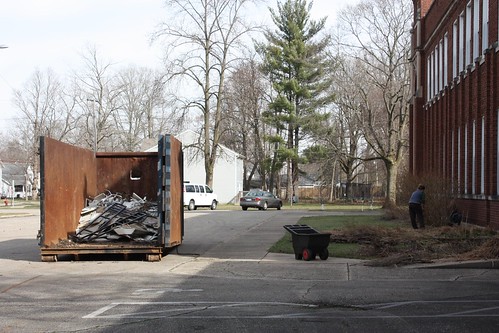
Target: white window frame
[(476, 29), (482, 159), (468, 35), (485, 25), (473, 158), (459, 158), (441, 65), (435, 71), (461, 42), (432, 73), (466, 159), (446, 60), (452, 166), (455, 35)]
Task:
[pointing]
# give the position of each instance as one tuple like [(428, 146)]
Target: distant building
[(455, 110), (227, 174), (16, 180)]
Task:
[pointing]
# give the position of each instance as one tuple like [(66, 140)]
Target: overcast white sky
[(53, 34)]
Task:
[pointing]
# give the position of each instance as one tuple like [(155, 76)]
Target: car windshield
[(254, 194)]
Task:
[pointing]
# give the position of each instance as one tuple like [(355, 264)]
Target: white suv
[(199, 195)]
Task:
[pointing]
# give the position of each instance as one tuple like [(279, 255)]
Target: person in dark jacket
[(416, 206)]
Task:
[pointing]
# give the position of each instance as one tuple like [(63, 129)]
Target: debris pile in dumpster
[(111, 217)]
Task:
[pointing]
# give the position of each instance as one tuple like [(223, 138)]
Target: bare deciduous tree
[(244, 128), (204, 34), (98, 98), (376, 35), (143, 111), (46, 111)]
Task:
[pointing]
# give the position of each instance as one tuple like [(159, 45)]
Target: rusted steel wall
[(128, 173), (176, 193), (68, 177)]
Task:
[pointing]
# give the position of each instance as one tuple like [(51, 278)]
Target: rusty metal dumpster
[(308, 242), (70, 175)]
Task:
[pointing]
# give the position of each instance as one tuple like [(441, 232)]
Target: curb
[(476, 264), (16, 215)]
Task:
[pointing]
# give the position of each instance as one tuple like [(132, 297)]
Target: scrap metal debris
[(111, 217)]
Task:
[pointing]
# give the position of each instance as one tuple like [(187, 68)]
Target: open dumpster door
[(170, 190)]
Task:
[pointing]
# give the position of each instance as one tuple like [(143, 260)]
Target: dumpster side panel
[(68, 177), (127, 173), (176, 192)]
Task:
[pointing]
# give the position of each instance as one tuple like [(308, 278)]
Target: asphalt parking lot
[(223, 279)]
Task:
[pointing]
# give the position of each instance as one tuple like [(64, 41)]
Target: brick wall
[(447, 131)]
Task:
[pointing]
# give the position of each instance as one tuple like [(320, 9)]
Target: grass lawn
[(331, 223), (394, 242)]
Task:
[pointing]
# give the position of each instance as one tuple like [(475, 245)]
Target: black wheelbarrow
[(308, 242)]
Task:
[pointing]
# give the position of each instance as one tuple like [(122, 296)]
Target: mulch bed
[(403, 246)]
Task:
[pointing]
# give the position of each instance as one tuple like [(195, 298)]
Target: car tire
[(213, 205), (279, 205), (265, 205), (244, 208), (192, 205)]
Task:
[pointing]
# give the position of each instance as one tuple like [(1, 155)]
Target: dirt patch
[(403, 246)]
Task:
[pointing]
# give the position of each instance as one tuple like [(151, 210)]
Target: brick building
[(455, 107)]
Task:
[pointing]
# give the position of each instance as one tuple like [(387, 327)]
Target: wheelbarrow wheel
[(307, 255), (324, 254)]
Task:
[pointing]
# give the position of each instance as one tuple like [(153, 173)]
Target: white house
[(228, 171), (16, 180)]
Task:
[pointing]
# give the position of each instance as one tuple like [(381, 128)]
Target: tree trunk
[(391, 184), (208, 153)]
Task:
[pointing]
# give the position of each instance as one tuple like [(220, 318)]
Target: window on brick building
[(446, 60), (468, 35), (432, 74), (459, 157), (476, 29), (441, 65), (465, 159), (436, 73), (461, 42), (482, 159), (485, 25), (473, 158), (454, 49), (452, 155)]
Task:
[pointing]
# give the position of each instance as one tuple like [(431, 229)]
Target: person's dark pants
[(416, 213)]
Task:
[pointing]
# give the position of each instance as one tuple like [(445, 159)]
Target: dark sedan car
[(261, 200)]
